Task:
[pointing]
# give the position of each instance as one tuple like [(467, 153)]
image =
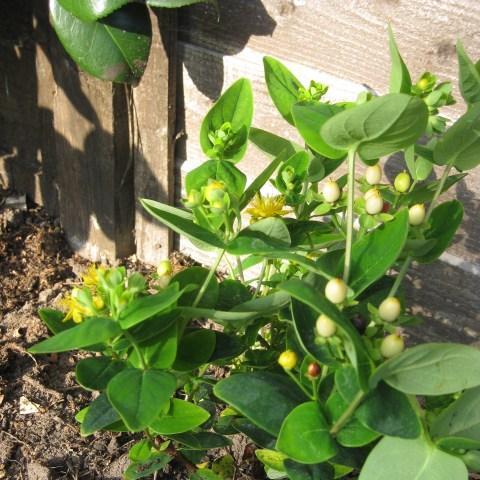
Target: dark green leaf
[(356, 350), (460, 145), (309, 118), (264, 398), (400, 459), (195, 349), (143, 308), (94, 373), (400, 81), (440, 230), (379, 127), (146, 396), (431, 369), (115, 48), (147, 467), (282, 85), (257, 435), (226, 347), (181, 222), (53, 319), (201, 440), (469, 76), (181, 417), (92, 331), (305, 436), (298, 471), (193, 278), (99, 414), (231, 294), (377, 251)]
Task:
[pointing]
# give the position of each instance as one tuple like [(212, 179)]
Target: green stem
[(130, 338), (315, 388), (401, 275), (351, 192), (260, 278), (230, 267), (204, 287), (347, 414), (295, 379), (240, 269), (438, 191)]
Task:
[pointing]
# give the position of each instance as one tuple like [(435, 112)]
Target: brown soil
[(36, 269)]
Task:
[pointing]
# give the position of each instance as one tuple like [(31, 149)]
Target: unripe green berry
[(402, 182), (164, 268), (217, 207), (288, 359), (392, 345), (325, 326), (331, 191), (416, 214), (373, 174), (215, 190), (373, 202), (336, 290), (194, 199), (390, 309)]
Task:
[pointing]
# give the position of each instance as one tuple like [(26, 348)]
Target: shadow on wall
[(87, 178), (220, 35)]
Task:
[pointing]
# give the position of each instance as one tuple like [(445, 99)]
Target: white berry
[(325, 326), (331, 191), (336, 290), (373, 202), (416, 214), (390, 309), (373, 174), (392, 345)]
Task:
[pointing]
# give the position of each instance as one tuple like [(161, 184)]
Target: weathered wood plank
[(153, 124)]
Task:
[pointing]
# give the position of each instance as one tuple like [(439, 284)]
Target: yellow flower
[(90, 278), (268, 206), (74, 309)]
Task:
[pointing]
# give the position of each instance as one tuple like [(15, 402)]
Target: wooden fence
[(87, 150)]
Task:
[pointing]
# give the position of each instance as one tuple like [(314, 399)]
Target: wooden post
[(153, 126)]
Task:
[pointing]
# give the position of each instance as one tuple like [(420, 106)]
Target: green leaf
[(282, 86), (379, 127), (235, 107), (181, 222), (195, 349), (431, 369), (400, 459), (201, 440), (147, 467), (469, 76), (232, 293), (353, 433), (226, 347), (99, 414), (272, 144), (309, 118), (400, 81), (94, 373), (114, 48), (140, 451), (53, 319), (143, 308), (257, 435), (460, 144), (377, 251), (440, 230), (355, 349), (206, 474), (255, 394), (91, 10), (181, 417), (460, 421), (305, 436), (147, 393), (192, 278), (221, 170), (269, 234), (92, 331), (298, 471)]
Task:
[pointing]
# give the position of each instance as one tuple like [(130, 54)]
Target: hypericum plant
[(109, 39), (320, 378)]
